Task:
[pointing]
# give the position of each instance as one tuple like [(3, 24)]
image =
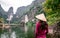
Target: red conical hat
[(41, 17)]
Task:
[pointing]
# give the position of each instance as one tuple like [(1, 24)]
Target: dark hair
[(58, 23), (43, 25)]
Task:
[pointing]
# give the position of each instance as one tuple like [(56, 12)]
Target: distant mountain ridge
[(20, 11), (4, 14)]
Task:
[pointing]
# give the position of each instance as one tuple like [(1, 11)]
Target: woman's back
[(41, 31)]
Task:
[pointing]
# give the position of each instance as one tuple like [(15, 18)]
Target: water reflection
[(13, 35), (16, 32), (6, 35)]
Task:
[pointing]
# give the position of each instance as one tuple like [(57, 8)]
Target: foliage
[(49, 35), (19, 32), (30, 23), (2, 20), (30, 32), (52, 9)]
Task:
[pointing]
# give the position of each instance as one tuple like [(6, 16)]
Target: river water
[(6, 35), (15, 32)]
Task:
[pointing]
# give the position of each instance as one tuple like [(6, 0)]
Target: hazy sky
[(6, 4)]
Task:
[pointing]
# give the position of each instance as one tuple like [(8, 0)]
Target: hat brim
[(41, 17)]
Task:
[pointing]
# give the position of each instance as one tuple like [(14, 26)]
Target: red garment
[(40, 33)]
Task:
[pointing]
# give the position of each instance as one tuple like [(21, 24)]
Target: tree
[(52, 10)]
